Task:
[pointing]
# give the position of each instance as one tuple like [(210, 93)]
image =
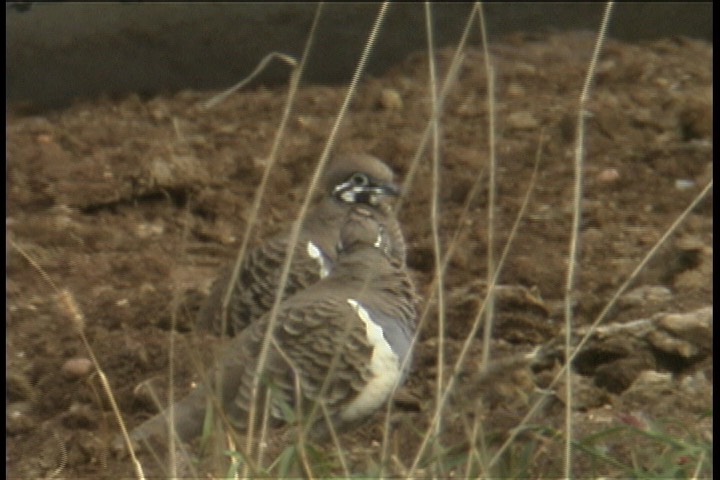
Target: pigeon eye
[(359, 180)]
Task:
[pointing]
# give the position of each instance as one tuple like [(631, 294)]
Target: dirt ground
[(132, 204)]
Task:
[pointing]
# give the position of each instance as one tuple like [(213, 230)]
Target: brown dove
[(349, 180), (343, 341)]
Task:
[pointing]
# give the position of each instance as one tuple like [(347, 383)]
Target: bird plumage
[(349, 180), (343, 341)]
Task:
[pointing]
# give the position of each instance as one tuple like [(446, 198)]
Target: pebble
[(684, 184), (390, 99), (671, 345), (77, 367), (523, 120), (695, 327), (608, 175), (649, 386), (687, 335), (646, 294), (149, 229)]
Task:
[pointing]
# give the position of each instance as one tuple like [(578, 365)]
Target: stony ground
[(132, 204)]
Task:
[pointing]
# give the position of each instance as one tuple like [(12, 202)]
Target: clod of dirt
[(617, 353), (618, 375), (521, 315), (688, 335), (390, 99), (645, 294)]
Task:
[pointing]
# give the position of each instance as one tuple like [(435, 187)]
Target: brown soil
[(131, 205)]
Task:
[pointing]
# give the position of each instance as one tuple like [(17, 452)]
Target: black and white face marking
[(359, 188)]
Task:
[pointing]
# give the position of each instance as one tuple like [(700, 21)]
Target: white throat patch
[(384, 367)]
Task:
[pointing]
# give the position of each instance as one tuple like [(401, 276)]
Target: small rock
[(690, 243), (77, 367), (695, 328), (146, 287), (648, 387), (523, 120), (701, 319), (606, 66), (671, 345), (684, 184), (646, 294), (161, 173), (148, 229), (158, 114), (390, 99), (608, 175)]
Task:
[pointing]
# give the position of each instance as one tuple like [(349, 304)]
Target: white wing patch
[(314, 252), (384, 367)]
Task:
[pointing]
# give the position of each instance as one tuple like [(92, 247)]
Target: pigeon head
[(360, 179)]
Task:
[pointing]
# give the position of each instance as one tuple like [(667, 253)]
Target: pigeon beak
[(390, 189), (376, 193)]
